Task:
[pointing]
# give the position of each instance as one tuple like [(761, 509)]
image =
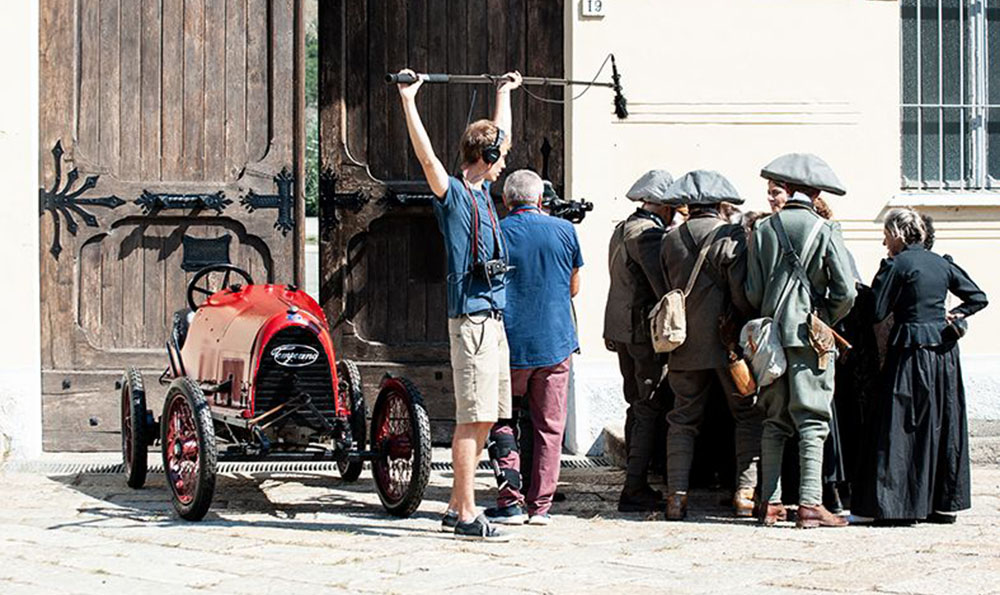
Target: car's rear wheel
[(349, 380), (189, 450), (401, 434), (135, 456)]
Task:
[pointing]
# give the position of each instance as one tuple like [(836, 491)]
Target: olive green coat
[(718, 287), (636, 279), (827, 266)]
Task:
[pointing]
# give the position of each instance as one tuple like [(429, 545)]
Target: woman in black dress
[(917, 454)]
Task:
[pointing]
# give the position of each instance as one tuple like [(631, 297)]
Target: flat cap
[(651, 187), (804, 169), (702, 187)]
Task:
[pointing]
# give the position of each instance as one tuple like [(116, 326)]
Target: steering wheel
[(202, 284)]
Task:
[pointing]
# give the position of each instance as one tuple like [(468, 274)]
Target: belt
[(494, 314)]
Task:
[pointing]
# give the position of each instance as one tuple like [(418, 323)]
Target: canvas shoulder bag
[(668, 320)]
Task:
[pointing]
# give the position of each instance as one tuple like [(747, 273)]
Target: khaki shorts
[(480, 363)]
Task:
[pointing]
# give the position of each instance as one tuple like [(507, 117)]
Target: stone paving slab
[(312, 533)]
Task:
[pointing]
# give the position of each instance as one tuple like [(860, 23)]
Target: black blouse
[(912, 286)]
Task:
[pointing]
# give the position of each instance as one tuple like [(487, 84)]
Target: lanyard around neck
[(475, 224)]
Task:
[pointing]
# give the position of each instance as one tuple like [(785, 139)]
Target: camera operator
[(475, 285), (546, 259)]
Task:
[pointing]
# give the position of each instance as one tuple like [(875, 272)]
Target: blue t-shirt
[(544, 251), (468, 293)]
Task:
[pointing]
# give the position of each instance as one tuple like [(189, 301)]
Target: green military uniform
[(699, 366), (800, 399), (636, 281)]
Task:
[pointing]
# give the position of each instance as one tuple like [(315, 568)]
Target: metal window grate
[(949, 110)]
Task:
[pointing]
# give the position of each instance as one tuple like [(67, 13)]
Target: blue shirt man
[(464, 214), (545, 253)]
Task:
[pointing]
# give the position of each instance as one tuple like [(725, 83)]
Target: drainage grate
[(57, 468)]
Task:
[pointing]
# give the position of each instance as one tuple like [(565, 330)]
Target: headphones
[(491, 154)]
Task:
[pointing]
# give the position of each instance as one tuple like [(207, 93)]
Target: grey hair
[(523, 187), (907, 225)]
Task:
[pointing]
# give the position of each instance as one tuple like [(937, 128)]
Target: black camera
[(491, 269), (571, 210)]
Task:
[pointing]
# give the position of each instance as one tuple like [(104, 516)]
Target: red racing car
[(252, 376)]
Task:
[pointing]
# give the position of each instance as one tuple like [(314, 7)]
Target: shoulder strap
[(690, 244), (706, 244), (798, 272)]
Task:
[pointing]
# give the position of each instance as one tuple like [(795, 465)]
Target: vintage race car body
[(274, 334)]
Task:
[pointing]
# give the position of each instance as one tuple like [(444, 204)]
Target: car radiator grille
[(276, 384)]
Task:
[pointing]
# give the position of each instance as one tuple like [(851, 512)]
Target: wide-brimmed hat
[(651, 186), (702, 187), (804, 169)]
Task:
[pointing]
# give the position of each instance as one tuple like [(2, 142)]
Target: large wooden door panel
[(162, 122), (382, 258)]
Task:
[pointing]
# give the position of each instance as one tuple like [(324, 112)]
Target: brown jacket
[(719, 287), (636, 279)]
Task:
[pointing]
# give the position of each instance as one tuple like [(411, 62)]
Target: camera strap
[(497, 252)]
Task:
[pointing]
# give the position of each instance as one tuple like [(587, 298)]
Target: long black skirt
[(916, 459)]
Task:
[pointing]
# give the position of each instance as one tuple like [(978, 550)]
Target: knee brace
[(500, 446)]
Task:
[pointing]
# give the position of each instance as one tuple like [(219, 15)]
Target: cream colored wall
[(729, 85), (20, 376)]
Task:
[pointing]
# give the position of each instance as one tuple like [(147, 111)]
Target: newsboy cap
[(651, 187), (702, 187), (804, 169)]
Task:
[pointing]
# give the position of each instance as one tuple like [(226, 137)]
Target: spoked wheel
[(189, 451), (349, 381), (401, 433), (135, 431)]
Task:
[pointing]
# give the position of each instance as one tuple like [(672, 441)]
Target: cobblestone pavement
[(311, 533)]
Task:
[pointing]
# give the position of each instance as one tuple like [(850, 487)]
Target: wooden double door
[(382, 273), (170, 137)]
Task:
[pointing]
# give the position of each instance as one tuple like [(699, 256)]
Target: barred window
[(950, 109)]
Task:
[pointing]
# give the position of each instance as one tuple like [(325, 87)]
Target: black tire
[(349, 379), (193, 429), (135, 452), (401, 431)]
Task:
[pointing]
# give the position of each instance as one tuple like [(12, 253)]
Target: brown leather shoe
[(677, 506), (743, 502), (817, 516), (772, 513)]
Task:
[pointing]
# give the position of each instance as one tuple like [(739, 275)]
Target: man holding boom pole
[(476, 264)]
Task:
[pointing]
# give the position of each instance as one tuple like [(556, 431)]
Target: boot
[(831, 498), (643, 499), (771, 513), (677, 506), (743, 502), (817, 516)]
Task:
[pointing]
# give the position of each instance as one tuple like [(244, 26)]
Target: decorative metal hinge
[(282, 201), (152, 202), (331, 201), (66, 203)]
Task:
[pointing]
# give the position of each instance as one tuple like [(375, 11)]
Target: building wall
[(20, 377), (729, 85)]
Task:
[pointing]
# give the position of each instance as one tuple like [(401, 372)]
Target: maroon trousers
[(544, 391)]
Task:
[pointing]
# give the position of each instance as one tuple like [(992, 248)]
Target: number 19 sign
[(593, 8)]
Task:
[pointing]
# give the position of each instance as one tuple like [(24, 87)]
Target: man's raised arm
[(501, 115), (434, 172)]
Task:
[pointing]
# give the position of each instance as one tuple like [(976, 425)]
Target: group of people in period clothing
[(777, 289), (787, 281)]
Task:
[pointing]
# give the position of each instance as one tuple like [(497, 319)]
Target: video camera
[(571, 210)]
